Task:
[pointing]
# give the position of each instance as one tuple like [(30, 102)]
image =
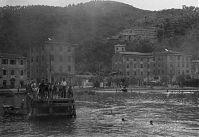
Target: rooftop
[(136, 53), (119, 45), (166, 51), (8, 55), (195, 61)]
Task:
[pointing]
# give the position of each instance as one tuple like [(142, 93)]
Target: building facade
[(133, 64), (166, 66), (195, 69), (169, 65), (13, 71), (53, 62)]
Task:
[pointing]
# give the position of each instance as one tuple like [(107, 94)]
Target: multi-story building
[(195, 69), (54, 61), (164, 66), (133, 64), (13, 73), (170, 64)]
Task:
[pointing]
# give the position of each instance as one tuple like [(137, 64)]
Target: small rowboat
[(12, 111)]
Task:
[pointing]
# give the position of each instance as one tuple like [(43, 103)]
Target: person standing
[(70, 92), (64, 84)]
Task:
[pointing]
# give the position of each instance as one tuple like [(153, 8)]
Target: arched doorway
[(12, 83)]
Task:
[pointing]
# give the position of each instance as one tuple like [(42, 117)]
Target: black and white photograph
[(99, 68)]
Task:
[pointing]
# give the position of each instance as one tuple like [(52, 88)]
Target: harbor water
[(100, 114)]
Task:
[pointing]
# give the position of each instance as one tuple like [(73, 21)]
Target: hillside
[(88, 25), (82, 24), (177, 30)]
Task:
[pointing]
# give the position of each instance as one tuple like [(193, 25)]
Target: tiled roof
[(8, 55), (119, 45), (136, 53), (169, 52), (195, 61)]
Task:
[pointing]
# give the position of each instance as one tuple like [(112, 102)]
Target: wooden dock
[(42, 108), (183, 91)]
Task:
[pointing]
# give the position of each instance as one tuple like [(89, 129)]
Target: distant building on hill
[(54, 61), (143, 33), (13, 72), (195, 69)]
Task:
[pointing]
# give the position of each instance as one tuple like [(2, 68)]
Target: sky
[(142, 4)]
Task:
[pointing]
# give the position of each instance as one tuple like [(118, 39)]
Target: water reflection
[(101, 115)]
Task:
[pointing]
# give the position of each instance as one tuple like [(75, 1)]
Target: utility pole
[(50, 68)]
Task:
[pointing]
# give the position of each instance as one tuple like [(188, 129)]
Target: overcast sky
[(143, 4)]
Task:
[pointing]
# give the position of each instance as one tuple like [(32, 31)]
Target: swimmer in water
[(151, 122)]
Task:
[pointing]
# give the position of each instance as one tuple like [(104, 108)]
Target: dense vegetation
[(88, 25)]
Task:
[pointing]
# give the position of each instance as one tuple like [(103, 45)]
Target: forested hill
[(21, 27), (88, 25)]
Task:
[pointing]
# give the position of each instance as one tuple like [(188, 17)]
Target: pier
[(60, 107)]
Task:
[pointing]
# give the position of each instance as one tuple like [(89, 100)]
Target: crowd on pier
[(46, 90)]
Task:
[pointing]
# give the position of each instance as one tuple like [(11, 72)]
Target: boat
[(9, 110), (51, 107), (124, 89)]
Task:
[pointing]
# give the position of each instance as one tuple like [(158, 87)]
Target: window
[(128, 73), (42, 57), (134, 59), (183, 64), (127, 66), (69, 58), (12, 72), (178, 57), (32, 59), (135, 73), (60, 69), (141, 73), (51, 58), (52, 48), (134, 65), (141, 59), (147, 65), (141, 65), (187, 71), (4, 83), (60, 48), (69, 68), (21, 62), (21, 72), (60, 58), (69, 49), (4, 72), (4, 61), (127, 59), (12, 61), (37, 59)]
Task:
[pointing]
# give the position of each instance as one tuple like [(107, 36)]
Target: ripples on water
[(100, 115)]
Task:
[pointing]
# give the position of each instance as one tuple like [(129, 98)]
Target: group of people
[(46, 90)]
